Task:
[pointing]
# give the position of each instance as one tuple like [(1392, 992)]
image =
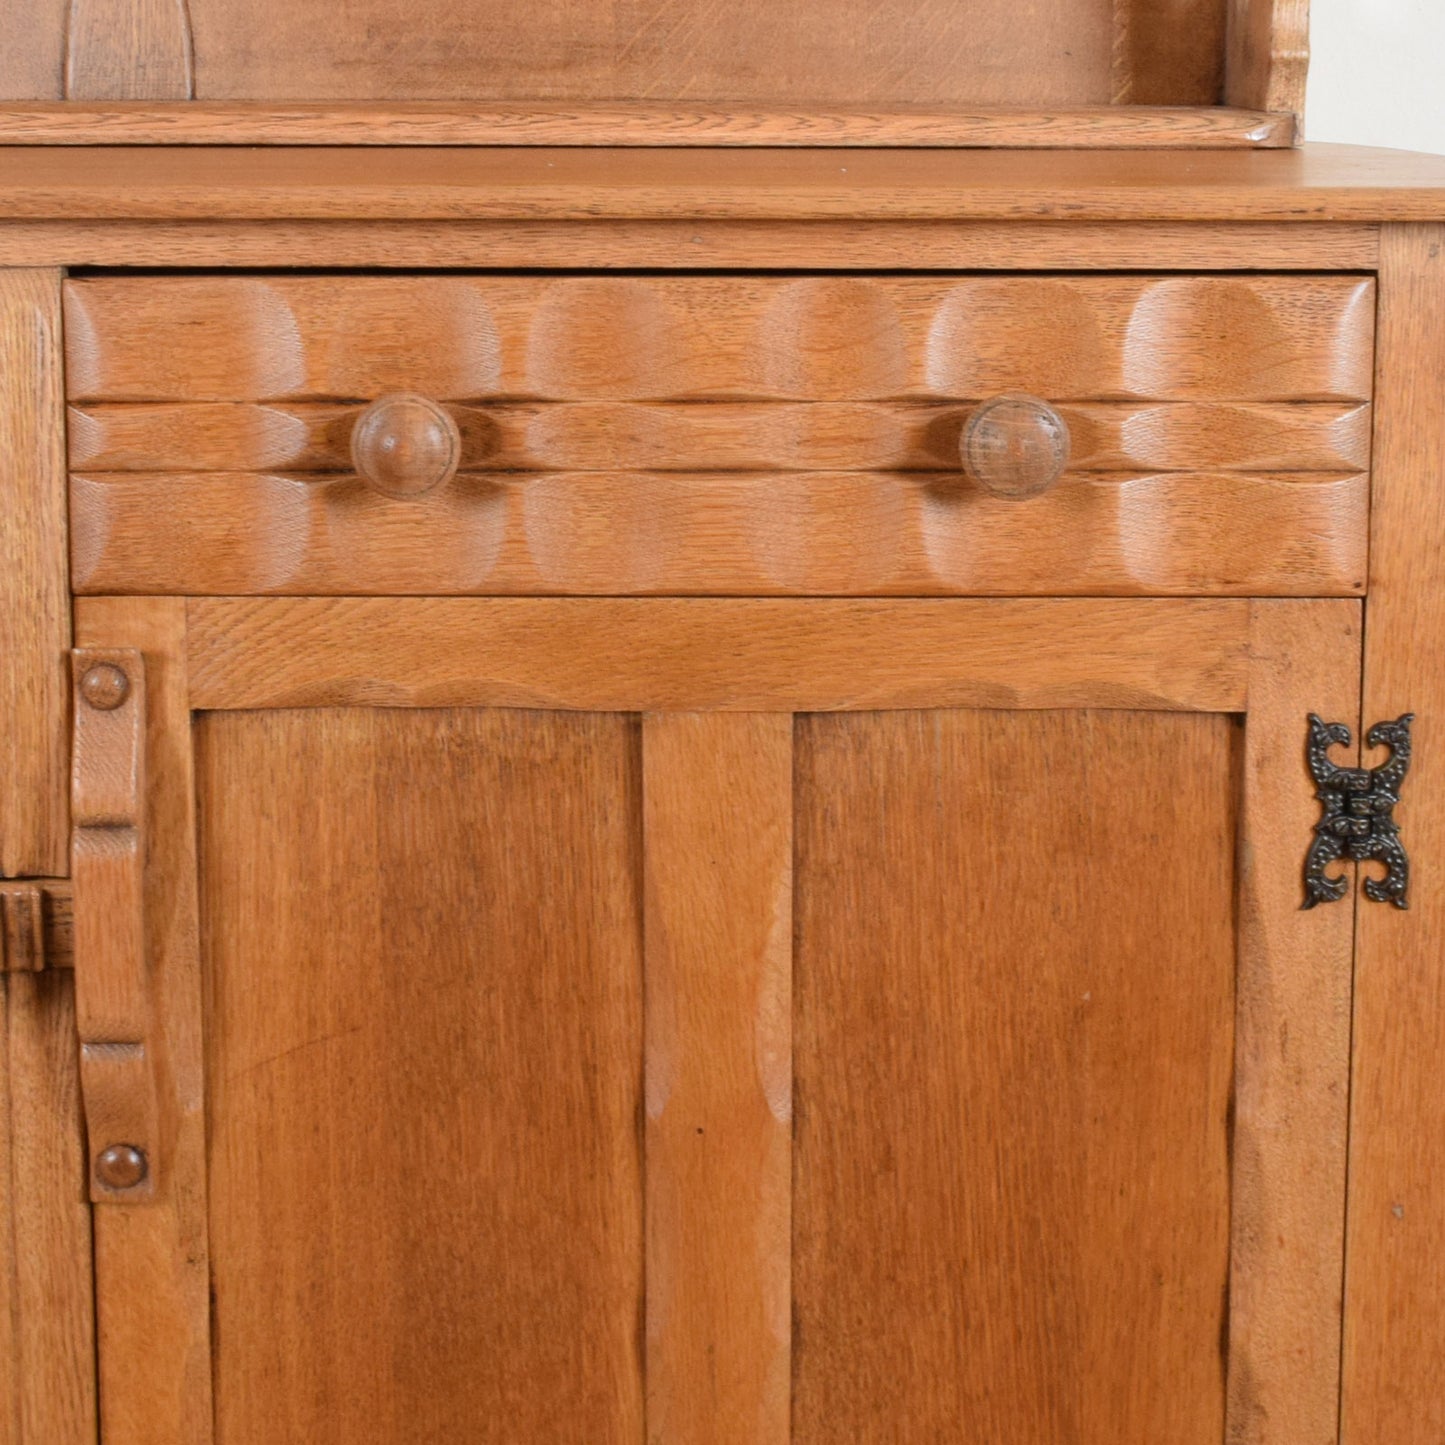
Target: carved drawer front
[(720, 434)]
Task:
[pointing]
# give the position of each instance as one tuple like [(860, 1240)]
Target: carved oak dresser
[(723, 726)]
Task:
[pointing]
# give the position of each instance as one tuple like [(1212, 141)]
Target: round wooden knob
[(122, 1166), (104, 686), (1015, 446), (404, 445)]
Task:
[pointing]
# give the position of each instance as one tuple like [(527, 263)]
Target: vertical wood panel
[(1395, 1276), (719, 872), (1014, 982), (34, 592), (32, 58), (1267, 54), (47, 1334), (1292, 1044), (152, 1278), (424, 1044), (130, 50), (1168, 52)]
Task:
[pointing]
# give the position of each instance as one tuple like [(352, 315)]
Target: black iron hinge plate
[(1358, 819)]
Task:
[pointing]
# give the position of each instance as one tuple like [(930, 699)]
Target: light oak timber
[(34, 600), (1013, 1076), (1158, 53), (424, 1120), (813, 56), (590, 436), (810, 52), (137, 50), (1292, 1044), (36, 925), (155, 1341), (32, 61), (441, 123), (277, 183), (108, 851), (749, 655), (799, 533), (684, 245), (47, 1320), (811, 338), (1394, 1388), (717, 833), (868, 1036), (118, 1058), (1267, 54), (1133, 54)]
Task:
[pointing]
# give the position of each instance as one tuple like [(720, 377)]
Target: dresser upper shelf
[(659, 72), (641, 123), (215, 183)]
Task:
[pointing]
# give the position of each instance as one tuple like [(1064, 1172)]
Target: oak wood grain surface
[(718, 847), (809, 52), (801, 533), (108, 855), (217, 339), (36, 925), (354, 834), (425, 1166), (1395, 1276), (34, 609), (752, 655), (687, 245), (1156, 56), (154, 1356), (295, 436), (108, 849), (815, 338), (47, 1316), (1131, 53), (1289, 1114), (32, 61), (1013, 1063), (1267, 54), (136, 50), (195, 183), (639, 123)]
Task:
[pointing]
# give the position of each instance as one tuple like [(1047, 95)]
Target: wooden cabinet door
[(707, 1022)]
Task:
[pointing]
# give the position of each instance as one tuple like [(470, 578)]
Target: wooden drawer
[(721, 434)]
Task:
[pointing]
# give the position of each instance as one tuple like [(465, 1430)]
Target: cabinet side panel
[(1395, 1270), (424, 980), (1267, 55), (34, 592), (1014, 992)]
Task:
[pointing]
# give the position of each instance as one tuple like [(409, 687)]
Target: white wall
[(1377, 73)]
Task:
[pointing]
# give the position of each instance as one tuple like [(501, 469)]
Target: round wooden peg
[(405, 445), (1015, 446), (104, 686), (121, 1166)]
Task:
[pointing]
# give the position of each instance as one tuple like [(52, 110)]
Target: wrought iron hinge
[(1358, 819)]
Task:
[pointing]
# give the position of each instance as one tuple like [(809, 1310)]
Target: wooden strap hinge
[(118, 1082), (35, 925)]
